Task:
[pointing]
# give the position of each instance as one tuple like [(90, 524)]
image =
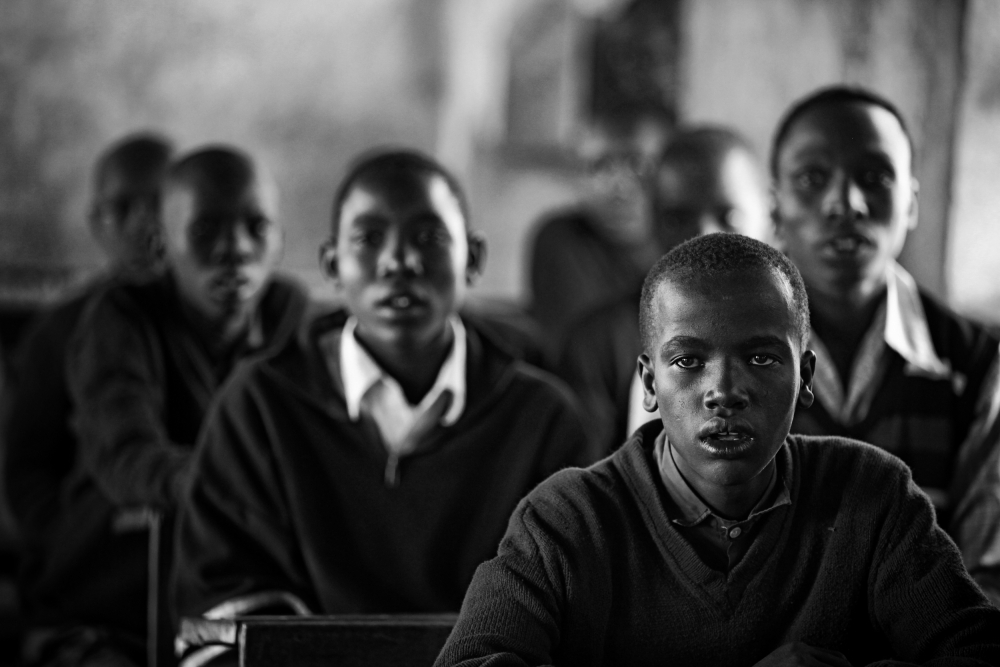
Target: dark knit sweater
[(289, 494), (926, 422), (140, 381), (591, 572)]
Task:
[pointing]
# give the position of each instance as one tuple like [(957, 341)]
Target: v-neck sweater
[(290, 494), (592, 572)]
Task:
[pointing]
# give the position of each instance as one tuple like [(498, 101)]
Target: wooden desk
[(334, 641)]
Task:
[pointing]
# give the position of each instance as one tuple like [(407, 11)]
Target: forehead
[(726, 308), (843, 130), (403, 195), (199, 197), (708, 180)]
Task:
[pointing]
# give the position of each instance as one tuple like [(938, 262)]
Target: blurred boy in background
[(895, 367), (142, 367)]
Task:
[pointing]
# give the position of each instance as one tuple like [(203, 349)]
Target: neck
[(415, 368), (841, 320), (730, 501)]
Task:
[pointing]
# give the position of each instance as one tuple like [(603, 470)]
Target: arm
[(512, 610), (975, 492), (114, 370), (235, 550), (921, 596), (35, 416)]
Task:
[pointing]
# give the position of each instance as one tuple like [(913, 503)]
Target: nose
[(844, 199), (725, 390), (236, 245), (398, 256)]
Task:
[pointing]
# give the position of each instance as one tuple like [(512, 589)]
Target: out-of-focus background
[(498, 89)]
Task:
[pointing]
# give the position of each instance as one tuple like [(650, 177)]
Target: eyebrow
[(765, 341)]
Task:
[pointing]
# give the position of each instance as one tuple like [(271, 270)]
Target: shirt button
[(735, 532)]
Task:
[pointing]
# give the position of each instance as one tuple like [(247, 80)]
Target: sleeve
[(235, 550), (975, 521), (35, 412), (920, 593), (115, 376), (512, 610)]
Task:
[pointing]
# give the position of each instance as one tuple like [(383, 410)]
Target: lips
[(401, 301), (848, 243), (727, 438)]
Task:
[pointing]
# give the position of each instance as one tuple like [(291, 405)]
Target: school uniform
[(924, 386), (308, 497), (140, 377), (599, 567)]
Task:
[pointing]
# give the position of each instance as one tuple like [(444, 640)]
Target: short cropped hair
[(224, 167), (827, 96), (382, 161), (716, 255), (138, 155)]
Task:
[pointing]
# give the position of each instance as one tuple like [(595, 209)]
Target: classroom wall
[(973, 266), (303, 84), (307, 83)]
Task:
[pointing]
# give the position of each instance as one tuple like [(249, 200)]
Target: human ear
[(644, 366), (913, 213), (807, 370), (777, 228), (328, 259), (477, 257)]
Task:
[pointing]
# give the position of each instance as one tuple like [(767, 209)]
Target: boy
[(894, 366), (40, 446), (598, 251), (371, 466), (713, 537), (707, 180), (143, 366)]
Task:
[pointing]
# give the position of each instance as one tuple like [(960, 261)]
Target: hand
[(798, 654)]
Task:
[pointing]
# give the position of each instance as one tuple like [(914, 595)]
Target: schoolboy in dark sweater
[(895, 367), (713, 537), (371, 466), (40, 446), (142, 368)]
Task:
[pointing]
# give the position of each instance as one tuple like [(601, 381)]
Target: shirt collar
[(688, 508), (360, 372), (906, 329)]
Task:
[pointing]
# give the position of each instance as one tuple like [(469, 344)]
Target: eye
[(368, 238), (257, 225), (877, 178), (810, 179), (434, 235), (762, 360), (687, 363)]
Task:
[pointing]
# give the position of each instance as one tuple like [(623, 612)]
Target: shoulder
[(562, 226), (846, 471), (955, 335), (577, 502)]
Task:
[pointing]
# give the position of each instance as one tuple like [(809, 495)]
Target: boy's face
[(222, 246), (403, 258), (726, 369), (125, 219), (693, 197), (845, 197)]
